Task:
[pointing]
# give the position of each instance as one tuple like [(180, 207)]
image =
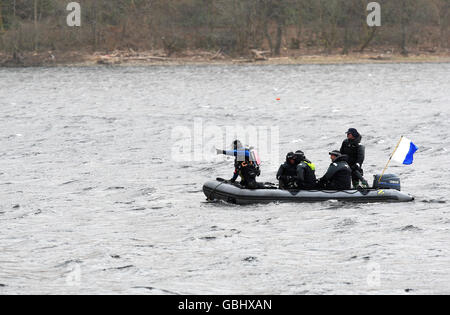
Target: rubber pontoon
[(234, 193)]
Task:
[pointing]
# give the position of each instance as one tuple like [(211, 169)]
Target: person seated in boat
[(246, 164), (248, 172), (355, 152), (339, 174), (306, 172), (287, 173)]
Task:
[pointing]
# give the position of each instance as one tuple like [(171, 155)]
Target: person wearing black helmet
[(306, 172), (339, 174), (356, 152), (287, 173), (246, 165)]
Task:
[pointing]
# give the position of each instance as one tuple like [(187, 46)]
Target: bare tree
[(229, 26), (1, 18), (36, 24), (406, 9)]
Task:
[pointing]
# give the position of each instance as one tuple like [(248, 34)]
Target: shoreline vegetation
[(176, 32), (199, 57)]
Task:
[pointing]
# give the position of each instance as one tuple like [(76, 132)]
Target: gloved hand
[(291, 179), (354, 168)]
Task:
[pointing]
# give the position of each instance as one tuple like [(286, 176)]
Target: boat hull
[(217, 190)]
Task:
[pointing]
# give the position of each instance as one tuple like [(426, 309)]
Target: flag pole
[(387, 165)]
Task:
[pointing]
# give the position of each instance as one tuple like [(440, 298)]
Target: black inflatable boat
[(236, 194)]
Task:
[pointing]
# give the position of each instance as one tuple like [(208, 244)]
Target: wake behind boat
[(236, 194)]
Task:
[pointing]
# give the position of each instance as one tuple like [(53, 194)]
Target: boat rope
[(214, 190), (335, 191)]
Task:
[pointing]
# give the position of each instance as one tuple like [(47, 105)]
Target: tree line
[(231, 26)]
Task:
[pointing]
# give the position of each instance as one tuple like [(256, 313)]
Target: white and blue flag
[(405, 152)]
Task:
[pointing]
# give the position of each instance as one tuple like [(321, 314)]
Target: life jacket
[(248, 171), (289, 170), (311, 165), (310, 173), (354, 151), (342, 178)]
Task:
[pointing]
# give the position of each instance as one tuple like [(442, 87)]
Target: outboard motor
[(388, 181)]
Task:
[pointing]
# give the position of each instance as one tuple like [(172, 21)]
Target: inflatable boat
[(236, 194)]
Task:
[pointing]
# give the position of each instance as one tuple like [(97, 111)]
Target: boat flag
[(405, 152)]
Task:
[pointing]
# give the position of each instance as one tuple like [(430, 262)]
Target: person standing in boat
[(246, 164), (287, 173), (306, 172), (356, 152), (339, 174)]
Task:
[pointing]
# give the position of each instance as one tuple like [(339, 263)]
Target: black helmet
[(353, 132), (336, 153), (300, 156), (237, 144), (290, 156)]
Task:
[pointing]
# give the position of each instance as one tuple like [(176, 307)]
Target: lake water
[(93, 199)]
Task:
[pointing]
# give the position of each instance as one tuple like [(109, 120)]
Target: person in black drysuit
[(355, 152), (339, 174), (248, 172), (245, 165), (287, 173), (306, 172)]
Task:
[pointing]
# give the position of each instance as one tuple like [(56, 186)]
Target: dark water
[(93, 200)]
